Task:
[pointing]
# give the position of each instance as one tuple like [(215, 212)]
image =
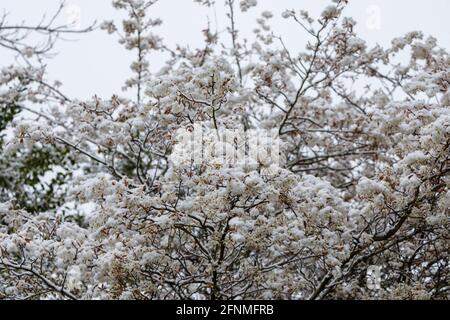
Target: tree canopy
[(154, 194)]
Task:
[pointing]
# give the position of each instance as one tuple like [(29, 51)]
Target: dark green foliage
[(21, 173)]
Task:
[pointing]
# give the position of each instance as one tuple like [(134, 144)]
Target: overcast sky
[(96, 64)]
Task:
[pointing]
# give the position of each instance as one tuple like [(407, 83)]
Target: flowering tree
[(355, 173)]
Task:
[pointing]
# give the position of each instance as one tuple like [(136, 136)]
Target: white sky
[(97, 64)]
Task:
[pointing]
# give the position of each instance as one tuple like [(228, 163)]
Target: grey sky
[(97, 64)]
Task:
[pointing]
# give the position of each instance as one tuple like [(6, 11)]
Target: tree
[(342, 179)]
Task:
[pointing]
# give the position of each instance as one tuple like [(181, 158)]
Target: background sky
[(95, 63)]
